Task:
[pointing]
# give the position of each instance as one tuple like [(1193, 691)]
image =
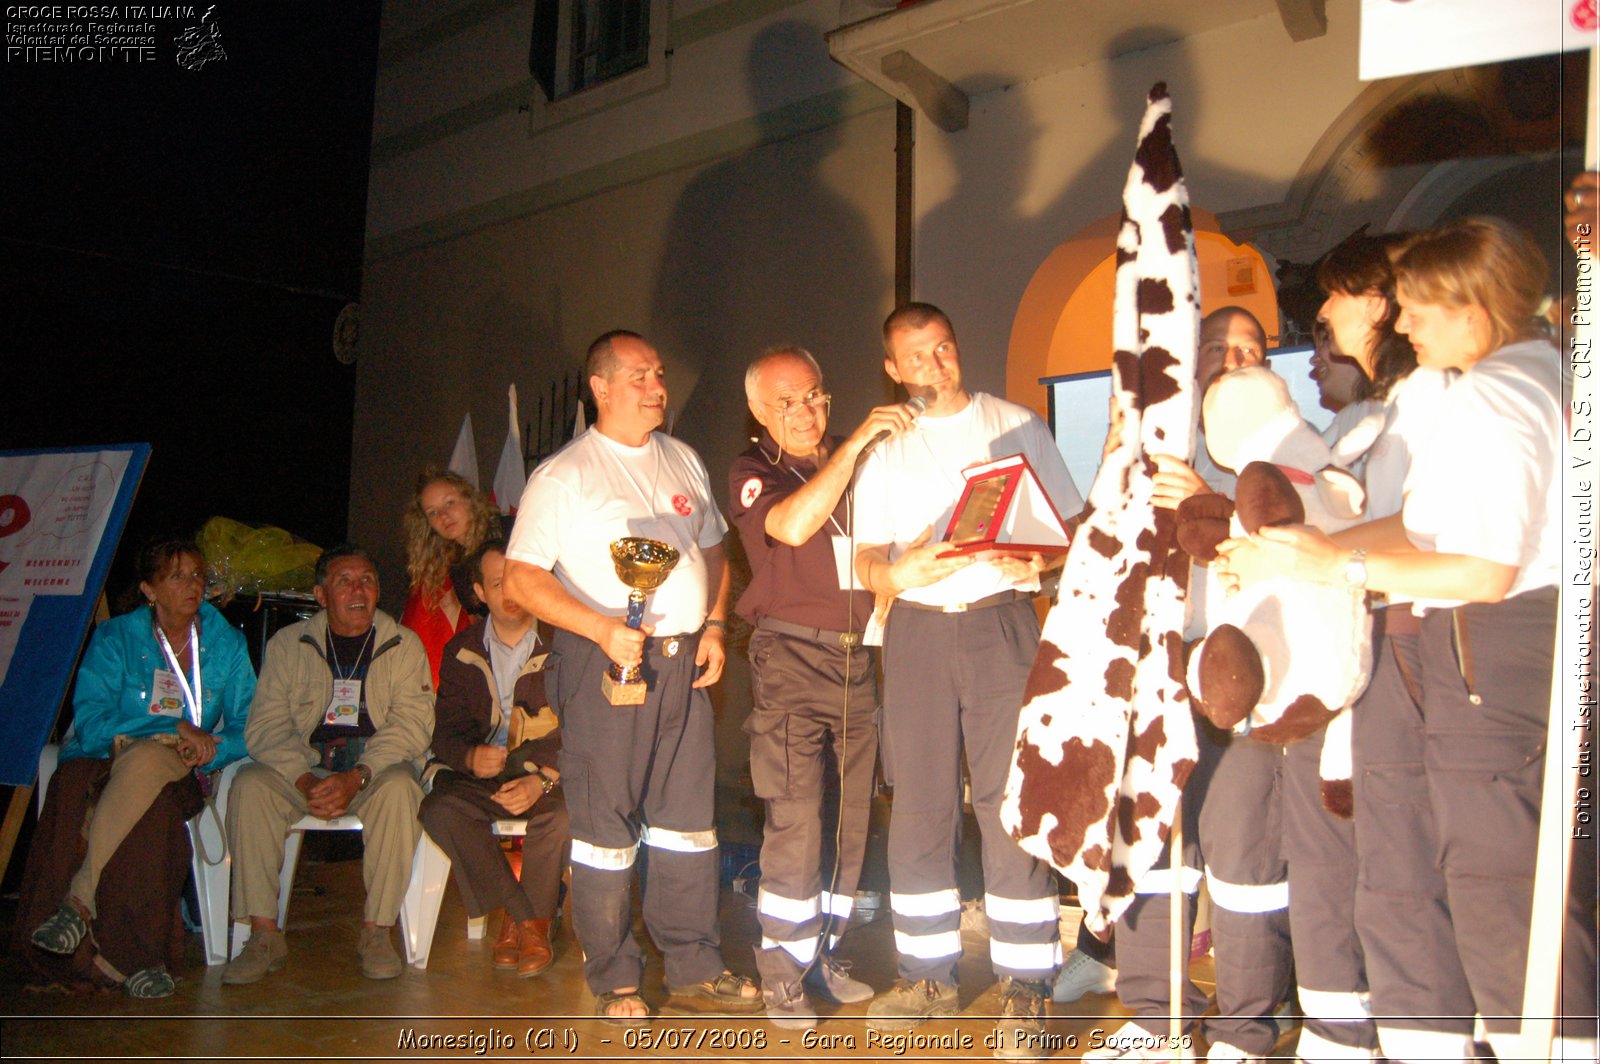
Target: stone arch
[(1063, 321)]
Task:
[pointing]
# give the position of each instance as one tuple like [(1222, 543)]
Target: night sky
[(178, 243)]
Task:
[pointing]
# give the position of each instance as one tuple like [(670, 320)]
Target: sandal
[(63, 932), (149, 983), (726, 990), (604, 1002)]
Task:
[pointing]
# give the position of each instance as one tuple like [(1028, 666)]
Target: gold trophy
[(644, 565)]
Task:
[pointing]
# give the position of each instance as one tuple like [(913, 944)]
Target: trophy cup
[(644, 565)]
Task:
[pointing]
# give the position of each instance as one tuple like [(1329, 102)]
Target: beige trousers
[(262, 805), (137, 775)]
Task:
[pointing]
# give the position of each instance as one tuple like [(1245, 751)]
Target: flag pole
[(1541, 982), (1175, 939)]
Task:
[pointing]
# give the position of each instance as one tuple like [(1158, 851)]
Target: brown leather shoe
[(508, 946), (536, 952)]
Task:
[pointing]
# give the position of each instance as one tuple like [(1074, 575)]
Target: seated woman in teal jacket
[(158, 709)]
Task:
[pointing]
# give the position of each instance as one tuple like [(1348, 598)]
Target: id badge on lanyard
[(171, 691), (345, 705), (166, 697)]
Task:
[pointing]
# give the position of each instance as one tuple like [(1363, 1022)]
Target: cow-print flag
[(1105, 741)]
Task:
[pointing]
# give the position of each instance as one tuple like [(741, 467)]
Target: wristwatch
[(549, 783), (712, 622), (1355, 568), (366, 776)]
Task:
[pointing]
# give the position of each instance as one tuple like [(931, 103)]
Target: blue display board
[(62, 512)]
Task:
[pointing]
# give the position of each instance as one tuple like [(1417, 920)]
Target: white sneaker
[(1081, 975), (1132, 1044), (1286, 1017), (1224, 1053)]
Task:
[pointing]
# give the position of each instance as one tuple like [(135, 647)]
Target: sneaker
[(1081, 975), (266, 951), (1286, 1017), (378, 958), (788, 1007), (1019, 1033), (832, 981), (150, 983), (1226, 1053), (1132, 1044), (63, 931), (907, 1004)]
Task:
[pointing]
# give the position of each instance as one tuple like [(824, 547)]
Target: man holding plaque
[(958, 647), (638, 767), (814, 726)]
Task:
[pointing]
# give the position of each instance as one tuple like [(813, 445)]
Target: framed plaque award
[(1004, 512)]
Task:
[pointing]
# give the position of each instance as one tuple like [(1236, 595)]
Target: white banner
[(1415, 36), (53, 511)]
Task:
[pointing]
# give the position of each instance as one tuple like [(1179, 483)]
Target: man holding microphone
[(815, 692)]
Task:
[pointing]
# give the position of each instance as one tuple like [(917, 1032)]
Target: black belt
[(816, 635), (669, 646), (999, 598)]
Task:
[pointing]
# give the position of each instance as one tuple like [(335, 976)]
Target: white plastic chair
[(205, 837), (430, 874), (419, 909)]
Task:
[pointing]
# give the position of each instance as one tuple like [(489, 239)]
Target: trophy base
[(623, 692)]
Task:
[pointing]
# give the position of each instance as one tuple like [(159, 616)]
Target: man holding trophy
[(624, 510), (960, 641)]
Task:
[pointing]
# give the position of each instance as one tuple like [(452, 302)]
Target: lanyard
[(831, 520), (338, 668), (191, 695)]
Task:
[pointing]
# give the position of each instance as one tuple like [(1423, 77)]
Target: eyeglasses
[(814, 400)]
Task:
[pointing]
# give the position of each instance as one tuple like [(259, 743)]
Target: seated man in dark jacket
[(495, 741)]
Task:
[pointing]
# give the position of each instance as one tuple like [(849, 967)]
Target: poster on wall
[(61, 515), (1417, 36)]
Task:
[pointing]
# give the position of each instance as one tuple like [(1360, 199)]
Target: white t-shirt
[(1412, 409), (1220, 480), (914, 480), (595, 491), (1486, 481)]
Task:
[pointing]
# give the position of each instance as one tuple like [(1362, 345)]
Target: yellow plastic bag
[(245, 560)]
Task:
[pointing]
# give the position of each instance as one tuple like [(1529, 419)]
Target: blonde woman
[(446, 521)]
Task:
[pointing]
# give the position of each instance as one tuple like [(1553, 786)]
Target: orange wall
[(1063, 324)]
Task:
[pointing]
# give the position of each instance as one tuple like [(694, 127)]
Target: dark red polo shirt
[(795, 584)]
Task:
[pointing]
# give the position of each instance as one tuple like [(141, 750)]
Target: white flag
[(464, 459), (510, 476)]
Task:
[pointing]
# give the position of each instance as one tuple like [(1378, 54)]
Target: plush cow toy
[(1289, 656)]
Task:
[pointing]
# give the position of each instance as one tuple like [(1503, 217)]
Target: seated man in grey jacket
[(495, 743), (342, 716)]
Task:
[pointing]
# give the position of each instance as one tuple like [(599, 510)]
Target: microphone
[(917, 404)]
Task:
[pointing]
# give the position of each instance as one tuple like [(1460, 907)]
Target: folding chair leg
[(211, 887), (291, 860), (419, 911)]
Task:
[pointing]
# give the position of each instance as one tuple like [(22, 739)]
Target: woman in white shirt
[(1476, 548), (1330, 890)]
